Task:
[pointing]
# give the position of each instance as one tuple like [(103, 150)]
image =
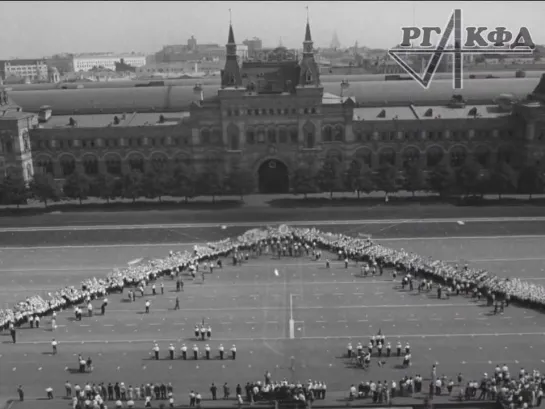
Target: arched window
[(458, 156), (45, 165), (339, 133), (68, 165), (113, 165), (309, 135), (294, 135), (250, 136), (90, 165), (271, 135), (282, 135), (327, 133), (434, 156), (205, 136), (233, 137), (136, 163), (261, 135)]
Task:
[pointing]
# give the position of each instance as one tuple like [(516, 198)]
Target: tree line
[(469, 179)]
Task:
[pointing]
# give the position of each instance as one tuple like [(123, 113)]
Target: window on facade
[(249, 112), (294, 111), (250, 136), (151, 141), (205, 136), (309, 139), (256, 111), (233, 137), (68, 166), (439, 135), (271, 135), (113, 165), (283, 135), (271, 111), (327, 133), (46, 166), (279, 111), (90, 165), (294, 135), (9, 147), (339, 133)]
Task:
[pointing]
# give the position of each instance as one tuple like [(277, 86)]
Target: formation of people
[(285, 242), (194, 352)]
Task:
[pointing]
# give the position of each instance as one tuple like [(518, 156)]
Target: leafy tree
[(365, 181), (133, 186), (352, 175), (15, 190), (329, 176), (44, 188), (442, 180), (155, 184), (181, 183), (503, 179), (415, 178), (210, 183), (303, 182), (469, 177), (77, 186), (530, 181), (241, 182), (105, 187), (386, 179)]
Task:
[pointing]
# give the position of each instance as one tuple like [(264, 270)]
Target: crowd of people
[(282, 241)]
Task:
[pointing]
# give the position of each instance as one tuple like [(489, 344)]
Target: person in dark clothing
[(213, 391)]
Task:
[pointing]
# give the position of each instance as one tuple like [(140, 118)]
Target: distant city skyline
[(38, 29)]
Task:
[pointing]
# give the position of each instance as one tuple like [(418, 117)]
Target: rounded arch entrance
[(273, 177)]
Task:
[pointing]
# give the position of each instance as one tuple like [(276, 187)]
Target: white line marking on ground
[(261, 223), (149, 340)]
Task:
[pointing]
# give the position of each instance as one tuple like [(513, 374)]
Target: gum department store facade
[(272, 117)]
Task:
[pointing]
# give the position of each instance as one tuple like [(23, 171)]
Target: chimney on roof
[(116, 120), (429, 112), (161, 119), (382, 114), (473, 112)]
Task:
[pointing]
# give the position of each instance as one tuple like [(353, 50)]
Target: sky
[(37, 29)]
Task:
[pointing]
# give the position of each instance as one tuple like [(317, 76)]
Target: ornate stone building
[(271, 117)]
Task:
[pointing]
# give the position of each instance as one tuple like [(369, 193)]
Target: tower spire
[(230, 75), (310, 74)]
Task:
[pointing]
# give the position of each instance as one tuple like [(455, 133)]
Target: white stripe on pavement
[(265, 223)]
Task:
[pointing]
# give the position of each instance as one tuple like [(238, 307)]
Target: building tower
[(230, 75), (310, 74), (335, 43)]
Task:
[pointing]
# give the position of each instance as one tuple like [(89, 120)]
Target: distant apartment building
[(62, 62), (192, 51), (254, 44), (86, 62), (31, 69)]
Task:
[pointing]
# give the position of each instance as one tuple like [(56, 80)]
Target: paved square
[(251, 307)]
